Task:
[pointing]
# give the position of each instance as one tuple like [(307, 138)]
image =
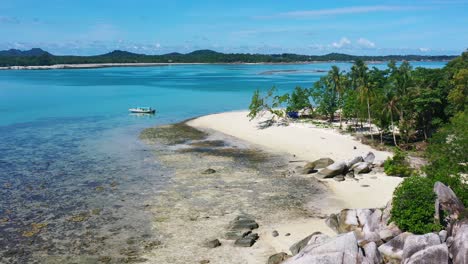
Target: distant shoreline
[(112, 65)]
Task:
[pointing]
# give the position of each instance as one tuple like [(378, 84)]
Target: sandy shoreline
[(308, 142), (110, 65), (253, 175)]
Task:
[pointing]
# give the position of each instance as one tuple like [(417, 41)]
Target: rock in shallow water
[(236, 234), (278, 258), (209, 171), (247, 241), (275, 233), (212, 243)]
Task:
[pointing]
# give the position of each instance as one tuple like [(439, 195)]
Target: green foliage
[(398, 165), (413, 206), (298, 100), (458, 96), (270, 103), (325, 97), (448, 156), (256, 105), (18, 58)]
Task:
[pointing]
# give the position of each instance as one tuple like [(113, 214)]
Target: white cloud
[(344, 10), (342, 43), (365, 43), (424, 49)]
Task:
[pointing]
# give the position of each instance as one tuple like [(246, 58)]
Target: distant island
[(39, 57)]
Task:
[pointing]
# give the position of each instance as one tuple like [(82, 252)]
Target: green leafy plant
[(448, 156), (413, 206), (298, 100), (398, 165)]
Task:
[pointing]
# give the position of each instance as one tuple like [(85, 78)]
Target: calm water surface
[(75, 179)]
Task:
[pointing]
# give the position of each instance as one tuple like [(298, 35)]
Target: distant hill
[(26, 53), (120, 53), (36, 56)]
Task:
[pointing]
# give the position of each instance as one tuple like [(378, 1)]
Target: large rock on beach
[(341, 249), (448, 202), (315, 237), (369, 158), (317, 164), (415, 243), (337, 168), (361, 167), (309, 168), (392, 251), (458, 242), (323, 163), (343, 222), (437, 254), (372, 255), (353, 161)]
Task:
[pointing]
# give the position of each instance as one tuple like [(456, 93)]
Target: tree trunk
[(393, 129), (368, 113)]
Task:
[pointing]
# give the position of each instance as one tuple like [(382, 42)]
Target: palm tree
[(338, 79), (359, 72), (390, 107)]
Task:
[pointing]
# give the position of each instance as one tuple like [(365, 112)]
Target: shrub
[(448, 156), (398, 165), (413, 206)]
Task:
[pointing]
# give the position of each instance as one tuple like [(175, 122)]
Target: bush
[(398, 165), (448, 156), (413, 206)]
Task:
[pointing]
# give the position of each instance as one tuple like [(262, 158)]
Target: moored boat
[(142, 110)]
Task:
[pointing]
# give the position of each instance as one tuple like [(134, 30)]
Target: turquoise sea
[(74, 178)]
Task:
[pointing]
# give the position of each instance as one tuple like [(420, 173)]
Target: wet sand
[(196, 207)]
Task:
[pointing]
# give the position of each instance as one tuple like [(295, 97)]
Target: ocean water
[(75, 179)]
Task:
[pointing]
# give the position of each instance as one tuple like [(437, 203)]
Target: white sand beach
[(309, 142)]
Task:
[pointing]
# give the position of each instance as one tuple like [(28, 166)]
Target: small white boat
[(142, 110)]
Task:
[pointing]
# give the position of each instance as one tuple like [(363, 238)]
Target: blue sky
[(87, 27)]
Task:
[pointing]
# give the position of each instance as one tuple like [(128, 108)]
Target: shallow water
[(74, 178)]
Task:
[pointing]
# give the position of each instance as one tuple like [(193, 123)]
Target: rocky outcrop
[(298, 246), (458, 242), (341, 249), (366, 236), (415, 243), (437, 254), (447, 202), (337, 168), (392, 251), (371, 254)]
